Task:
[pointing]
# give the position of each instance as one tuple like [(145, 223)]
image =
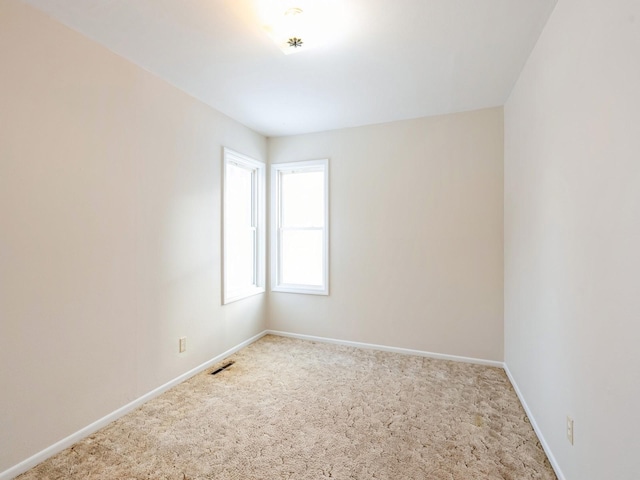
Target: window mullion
[(301, 228)]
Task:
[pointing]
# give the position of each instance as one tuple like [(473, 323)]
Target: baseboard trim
[(66, 442), (384, 348), (536, 428), (107, 419), (441, 356)]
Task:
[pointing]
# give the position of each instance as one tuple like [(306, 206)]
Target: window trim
[(276, 170), (259, 212)]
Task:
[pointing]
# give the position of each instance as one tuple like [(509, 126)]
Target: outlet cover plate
[(570, 430)]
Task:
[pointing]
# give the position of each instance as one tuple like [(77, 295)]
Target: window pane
[(239, 251), (302, 196), (302, 261), (239, 195), (240, 236)]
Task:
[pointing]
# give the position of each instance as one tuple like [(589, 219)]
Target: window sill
[(250, 292), (301, 289)]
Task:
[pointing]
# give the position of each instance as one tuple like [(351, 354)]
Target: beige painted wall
[(109, 232), (415, 235), (572, 236)]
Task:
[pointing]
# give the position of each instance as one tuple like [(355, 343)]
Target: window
[(243, 227), (300, 214)]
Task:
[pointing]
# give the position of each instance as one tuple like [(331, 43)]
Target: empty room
[(307, 239)]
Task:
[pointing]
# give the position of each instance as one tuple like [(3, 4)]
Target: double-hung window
[(243, 227), (300, 215)]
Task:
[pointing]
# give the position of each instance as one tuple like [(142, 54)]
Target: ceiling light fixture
[(294, 27), (290, 31), (298, 25)]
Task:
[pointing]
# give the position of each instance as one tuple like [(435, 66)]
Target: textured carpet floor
[(290, 409)]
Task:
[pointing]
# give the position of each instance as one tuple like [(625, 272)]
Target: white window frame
[(276, 229), (259, 225)]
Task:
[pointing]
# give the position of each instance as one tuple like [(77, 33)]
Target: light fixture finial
[(295, 42)]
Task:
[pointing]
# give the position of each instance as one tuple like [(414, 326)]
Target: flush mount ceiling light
[(299, 26), (291, 31)]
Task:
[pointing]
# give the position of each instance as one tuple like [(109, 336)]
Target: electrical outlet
[(570, 430), (183, 344)]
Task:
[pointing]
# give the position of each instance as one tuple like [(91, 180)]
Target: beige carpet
[(290, 409)]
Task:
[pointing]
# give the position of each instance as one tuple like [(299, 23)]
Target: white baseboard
[(532, 420), (104, 421), (384, 348), (441, 356)]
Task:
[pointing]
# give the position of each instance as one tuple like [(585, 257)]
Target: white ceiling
[(396, 59)]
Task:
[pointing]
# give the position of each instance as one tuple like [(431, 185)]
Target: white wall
[(109, 232), (416, 235), (572, 236)]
